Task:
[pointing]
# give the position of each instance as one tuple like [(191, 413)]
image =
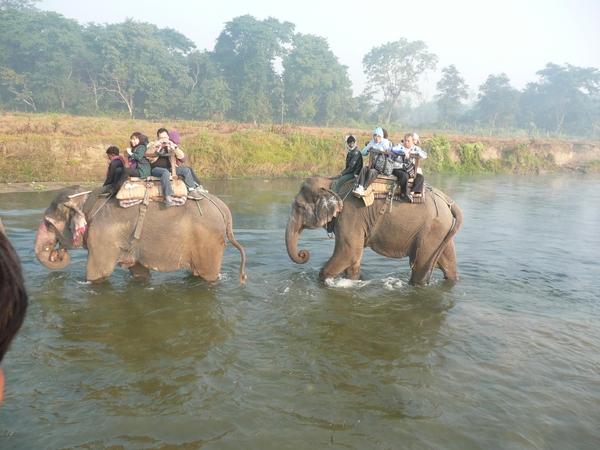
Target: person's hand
[(128, 151)]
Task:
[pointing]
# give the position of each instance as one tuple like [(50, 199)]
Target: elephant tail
[(457, 220), (235, 243)]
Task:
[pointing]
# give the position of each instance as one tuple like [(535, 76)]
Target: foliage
[(316, 85), (246, 51), (498, 101), (261, 72), (438, 154), (452, 89), (395, 68), (565, 97)]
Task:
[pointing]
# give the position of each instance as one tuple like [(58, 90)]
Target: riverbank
[(39, 150)]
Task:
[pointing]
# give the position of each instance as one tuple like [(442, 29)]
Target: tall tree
[(565, 97), (452, 89), (246, 51), (317, 86), (42, 49), (210, 96), (145, 68), (498, 101), (18, 4), (395, 69)]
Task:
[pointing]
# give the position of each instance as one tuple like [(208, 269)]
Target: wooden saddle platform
[(386, 186), (135, 190)]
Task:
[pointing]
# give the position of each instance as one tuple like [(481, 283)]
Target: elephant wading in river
[(423, 231), (192, 236)]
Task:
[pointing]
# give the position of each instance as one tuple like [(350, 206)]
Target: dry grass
[(63, 148)]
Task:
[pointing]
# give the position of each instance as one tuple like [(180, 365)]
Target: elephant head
[(63, 224), (314, 206)]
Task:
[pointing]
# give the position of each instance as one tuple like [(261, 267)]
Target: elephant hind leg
[(139, 272), (447, 262)]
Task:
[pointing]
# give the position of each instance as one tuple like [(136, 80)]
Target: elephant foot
[(140, 272), (99, 280)]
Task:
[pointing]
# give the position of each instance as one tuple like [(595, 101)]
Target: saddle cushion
[(137, 190)]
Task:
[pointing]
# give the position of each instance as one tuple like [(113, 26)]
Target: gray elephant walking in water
[(423, 232), (192, 236)]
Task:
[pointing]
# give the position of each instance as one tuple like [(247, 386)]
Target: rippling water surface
[(505, 358)]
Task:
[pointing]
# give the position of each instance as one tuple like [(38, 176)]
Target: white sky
[(480, 37)]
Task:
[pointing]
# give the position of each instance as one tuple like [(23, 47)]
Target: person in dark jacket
[(113, 174), (354, 163)]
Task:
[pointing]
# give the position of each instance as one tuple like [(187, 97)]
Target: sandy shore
[(6, 188)]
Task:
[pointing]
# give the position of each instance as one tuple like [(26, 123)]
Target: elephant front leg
[(100, 265), (345, 258), (140, 272)]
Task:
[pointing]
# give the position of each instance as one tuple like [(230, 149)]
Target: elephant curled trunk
[(292, 231), (47, 255)]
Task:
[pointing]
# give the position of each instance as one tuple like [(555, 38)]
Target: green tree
[(144, 68), (498, 101), (452, 89), (18, 4), (43, 51), (395, 68), (565, 97), (246, 51), (317, 86), (210, 96)]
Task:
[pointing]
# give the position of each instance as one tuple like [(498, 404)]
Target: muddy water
[(506, 358)]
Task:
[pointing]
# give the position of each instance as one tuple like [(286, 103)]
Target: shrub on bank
[(64, 148)]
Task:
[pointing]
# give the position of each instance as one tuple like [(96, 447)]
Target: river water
[(505, 358)]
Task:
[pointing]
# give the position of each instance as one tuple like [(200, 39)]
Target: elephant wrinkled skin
[(171, 238), (423, 232)]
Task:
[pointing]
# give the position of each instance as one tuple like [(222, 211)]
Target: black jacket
[(111, 176), (354, 162)]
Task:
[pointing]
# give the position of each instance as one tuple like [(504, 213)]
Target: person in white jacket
[(367, 175), (404, 166)]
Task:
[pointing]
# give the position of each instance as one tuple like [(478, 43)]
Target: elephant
[(423, 232), (192, 236)]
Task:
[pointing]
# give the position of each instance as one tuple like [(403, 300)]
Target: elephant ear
[(328, 206)]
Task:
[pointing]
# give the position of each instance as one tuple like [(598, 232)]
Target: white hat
[(415, 137)]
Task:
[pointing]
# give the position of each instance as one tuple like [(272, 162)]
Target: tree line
[(262, 71)]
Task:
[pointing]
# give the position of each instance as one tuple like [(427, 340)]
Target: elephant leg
[(447, 262), (140, 272), (100, 266), (345, 257), (421, 262), (208, 265)]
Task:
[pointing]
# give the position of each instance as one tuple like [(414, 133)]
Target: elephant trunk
[(45, 241), (292, 231)]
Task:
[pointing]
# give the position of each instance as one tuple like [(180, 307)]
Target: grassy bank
[(44, 148)]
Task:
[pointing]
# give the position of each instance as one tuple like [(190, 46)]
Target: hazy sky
[(480, 37)]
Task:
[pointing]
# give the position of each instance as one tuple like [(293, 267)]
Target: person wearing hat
[(368, 175), (404, 166), (354, 163)]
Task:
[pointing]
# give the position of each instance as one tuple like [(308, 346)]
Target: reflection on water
[(505, 358)]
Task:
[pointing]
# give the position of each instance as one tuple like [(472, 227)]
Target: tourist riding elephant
[(423, 231), (192, 236)]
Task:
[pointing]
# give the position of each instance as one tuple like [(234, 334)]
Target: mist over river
[(508, 357)]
